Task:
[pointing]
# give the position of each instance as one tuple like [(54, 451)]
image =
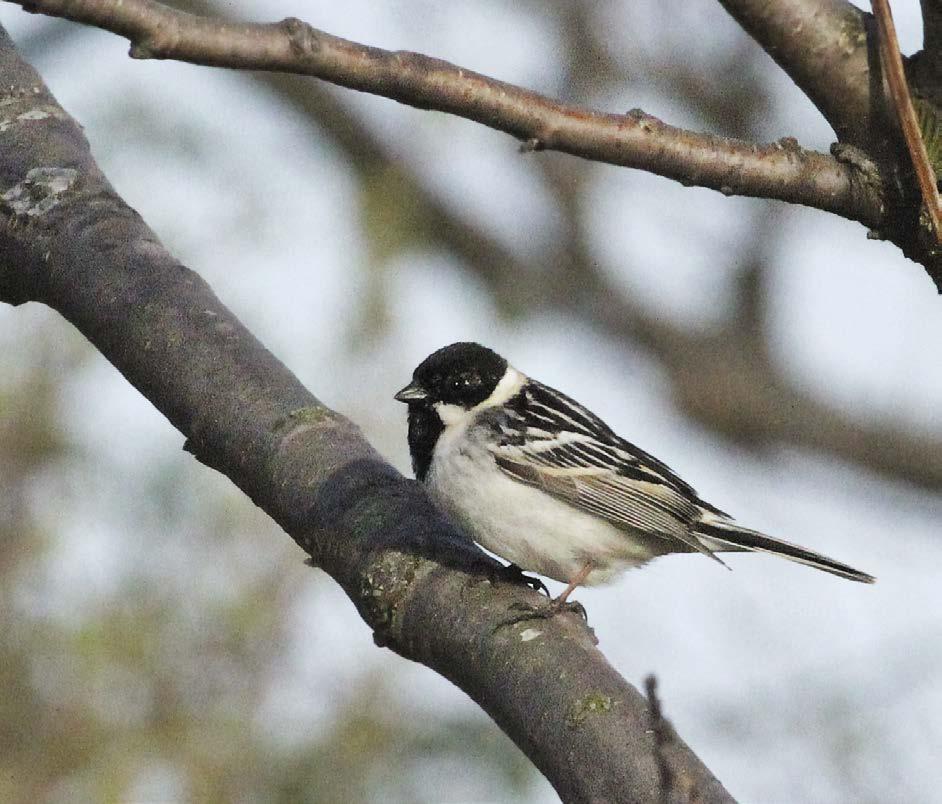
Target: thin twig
[(780, 170), (663, 736), (906, 114)]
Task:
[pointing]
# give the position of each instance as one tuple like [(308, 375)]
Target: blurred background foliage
[(162, 640)]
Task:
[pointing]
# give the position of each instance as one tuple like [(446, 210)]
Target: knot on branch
[(588, 706), (142, 49), (302, 38), (383, 587), (41, 191)]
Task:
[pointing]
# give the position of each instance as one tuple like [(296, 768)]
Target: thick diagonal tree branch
[(781, 170), (68, 241)]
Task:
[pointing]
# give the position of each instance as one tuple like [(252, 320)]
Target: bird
[(541, 481)]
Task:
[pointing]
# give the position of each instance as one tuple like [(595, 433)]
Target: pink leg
[(575, 581)]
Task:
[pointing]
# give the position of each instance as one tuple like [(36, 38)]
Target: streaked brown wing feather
[(540, 412), (625, 502), (549, 441), (636, 505)]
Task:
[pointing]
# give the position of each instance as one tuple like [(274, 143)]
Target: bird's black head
[(462, 374)]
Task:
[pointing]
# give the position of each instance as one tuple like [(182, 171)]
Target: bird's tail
[(720, 533)]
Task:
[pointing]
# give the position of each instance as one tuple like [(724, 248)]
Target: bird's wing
[(541, 408), (549, 441)]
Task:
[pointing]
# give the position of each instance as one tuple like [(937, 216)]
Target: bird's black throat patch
[(425, 427)]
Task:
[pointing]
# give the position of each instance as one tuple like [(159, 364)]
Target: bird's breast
[(521, 523)]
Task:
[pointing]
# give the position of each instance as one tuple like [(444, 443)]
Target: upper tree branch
[(781, 170), (829, 48), (823, 46), (727, 380), (67, 240), (932, 33), (892, 63)]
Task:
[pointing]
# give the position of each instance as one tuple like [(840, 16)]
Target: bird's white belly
[(524, 525)]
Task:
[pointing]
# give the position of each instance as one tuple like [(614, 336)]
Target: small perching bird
[(543, 482)]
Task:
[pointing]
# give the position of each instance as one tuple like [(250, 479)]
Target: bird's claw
[(514, 574), (570, 606), (526, 611)]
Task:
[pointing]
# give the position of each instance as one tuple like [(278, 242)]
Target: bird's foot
[(546, 611), (559, 604)]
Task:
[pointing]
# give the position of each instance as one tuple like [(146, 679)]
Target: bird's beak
[(413, 392)]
